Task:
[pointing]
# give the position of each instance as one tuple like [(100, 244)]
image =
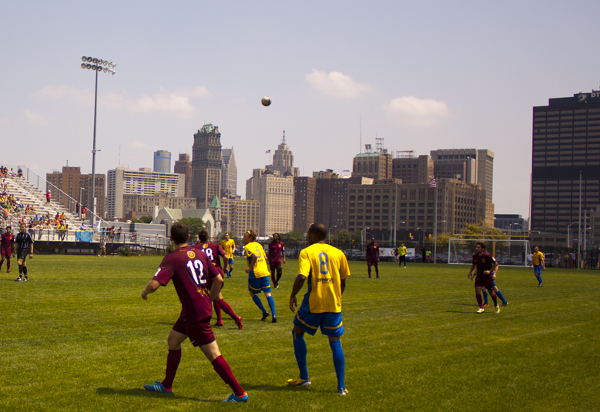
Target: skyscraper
[(566, 148), (162, 161), (206, 165), (228, 173), (275, 193), (184, 166), (283, 160)]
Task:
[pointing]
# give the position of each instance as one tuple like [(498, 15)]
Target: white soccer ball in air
[(266, 101)]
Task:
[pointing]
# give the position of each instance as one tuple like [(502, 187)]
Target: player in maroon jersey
[(7, 241), (215, 253), (276, 252), (190, 271), (372, 256), (486, 265)]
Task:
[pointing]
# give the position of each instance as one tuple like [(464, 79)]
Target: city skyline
[(422, 76)]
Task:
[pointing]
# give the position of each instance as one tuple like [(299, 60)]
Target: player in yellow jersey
[(258, 274), (326, 269), (539, 264), (228, 245), (402, 255)]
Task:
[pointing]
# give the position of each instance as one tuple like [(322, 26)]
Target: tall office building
[(304, 202), (228, 173), (239, 215), (412, 169), (565, 162), (276, 196), (162, 161), (283, 160), (373, 165), (206, 165), (76, 188), (184, 166), (123, 181)]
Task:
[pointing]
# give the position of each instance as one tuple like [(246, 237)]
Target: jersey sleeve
[(165, 272), (304, 264), (212, 270), (344, 267)]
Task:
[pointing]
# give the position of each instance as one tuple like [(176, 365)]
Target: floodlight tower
[(98, 65)]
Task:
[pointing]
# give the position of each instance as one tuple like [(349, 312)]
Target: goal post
[(513, 252)]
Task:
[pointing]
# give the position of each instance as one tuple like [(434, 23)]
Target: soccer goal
[(507, 252)]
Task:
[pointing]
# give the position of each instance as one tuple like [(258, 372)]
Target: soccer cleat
[(19, 279), (237, 399), (481, 310), (485, 304), (274, 320), (8, 271), (504, 303), (238, 322), (299, 382), (158, 387), (219, 323), (264, 315), (26, 279), (497, 308), (343, 391), (277, 287), (540, 285)]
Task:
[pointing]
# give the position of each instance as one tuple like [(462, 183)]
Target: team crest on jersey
[(191, 254), (204, 246)]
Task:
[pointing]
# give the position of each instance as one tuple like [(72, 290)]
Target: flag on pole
[(432, 183), (268, 151)]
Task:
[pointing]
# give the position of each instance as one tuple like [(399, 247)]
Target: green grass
[(78, 337)]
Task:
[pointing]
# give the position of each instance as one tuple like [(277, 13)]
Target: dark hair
[(203, 235), (482, 244), (179, 233), (252, 234), (319, 230), (9, 227)]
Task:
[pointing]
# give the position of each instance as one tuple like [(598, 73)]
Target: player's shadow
[(143, 393), (281, 388)]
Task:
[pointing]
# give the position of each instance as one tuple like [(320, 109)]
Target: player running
[(402, 255), (486, 266), (214, 253), (276, 252), (228, 246), (23, 244), (258, 274), (539, 264), (7, 240), (190, 271), (372, 257), (326, 268)]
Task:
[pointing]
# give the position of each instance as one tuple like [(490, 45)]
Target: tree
[(342, 236), (142, 219), (482, 230), (194, 225)]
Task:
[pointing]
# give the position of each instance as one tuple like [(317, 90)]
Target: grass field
[(78, 337)]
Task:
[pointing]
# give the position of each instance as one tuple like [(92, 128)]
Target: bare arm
[(252, 263), (343, 285), (298, 283), (215, 289), (471, 271), (151, 287)]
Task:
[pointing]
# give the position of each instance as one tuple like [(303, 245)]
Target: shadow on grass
[(143, 393), (281, 388)]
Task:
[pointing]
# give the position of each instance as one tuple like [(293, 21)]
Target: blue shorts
[(230, 261), (331, 323), (258, 285), (537, 269)]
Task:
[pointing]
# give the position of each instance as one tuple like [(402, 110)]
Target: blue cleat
[(158, 387), (237, 399)]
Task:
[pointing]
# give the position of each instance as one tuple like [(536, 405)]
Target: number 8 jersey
[(324, 266), (190, 270)]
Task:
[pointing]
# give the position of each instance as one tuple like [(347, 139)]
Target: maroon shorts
[(199, 332), (274, 265), (372, 262), (5, 253), (484, 282)]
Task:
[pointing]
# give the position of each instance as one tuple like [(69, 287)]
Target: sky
[(421, 75)]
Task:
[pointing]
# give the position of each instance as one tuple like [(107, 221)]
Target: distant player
[(7, 240), (23, 244), (486, 265), (190, 271), (326, 269), (214, 253), (228, 245), (539, 264), (402, 255), (373, 257), (258, 274), (276, 253), (498, 293)]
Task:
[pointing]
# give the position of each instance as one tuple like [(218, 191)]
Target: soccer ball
[(266, 101)]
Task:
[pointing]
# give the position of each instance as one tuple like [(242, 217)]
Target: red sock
[(173, 359), (222, 368), (494, 298), (218, 311), (226, 308), (479, 300)]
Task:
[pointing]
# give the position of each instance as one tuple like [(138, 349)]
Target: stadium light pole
[(329, 233), (98, 65)]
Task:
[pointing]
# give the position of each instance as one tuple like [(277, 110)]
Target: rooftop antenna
[(360, 135), (283, 142)]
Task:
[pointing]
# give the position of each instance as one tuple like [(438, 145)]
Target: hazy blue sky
[(422, 75)]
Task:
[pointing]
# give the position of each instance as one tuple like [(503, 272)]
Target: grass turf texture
[(78, 337)]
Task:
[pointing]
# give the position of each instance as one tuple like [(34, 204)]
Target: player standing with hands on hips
[(326, 269), (23, 244), (190, 271)]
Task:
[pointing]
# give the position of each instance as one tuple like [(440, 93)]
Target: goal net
[(507, 252)]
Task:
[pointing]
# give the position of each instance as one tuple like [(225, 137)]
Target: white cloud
[(417, 112), (138, 145), (164, 101), (35, 118), (336, 84)]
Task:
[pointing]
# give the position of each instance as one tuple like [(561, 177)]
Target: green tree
[(342, 236), (142, 219), (482, 230), (194, 225)]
